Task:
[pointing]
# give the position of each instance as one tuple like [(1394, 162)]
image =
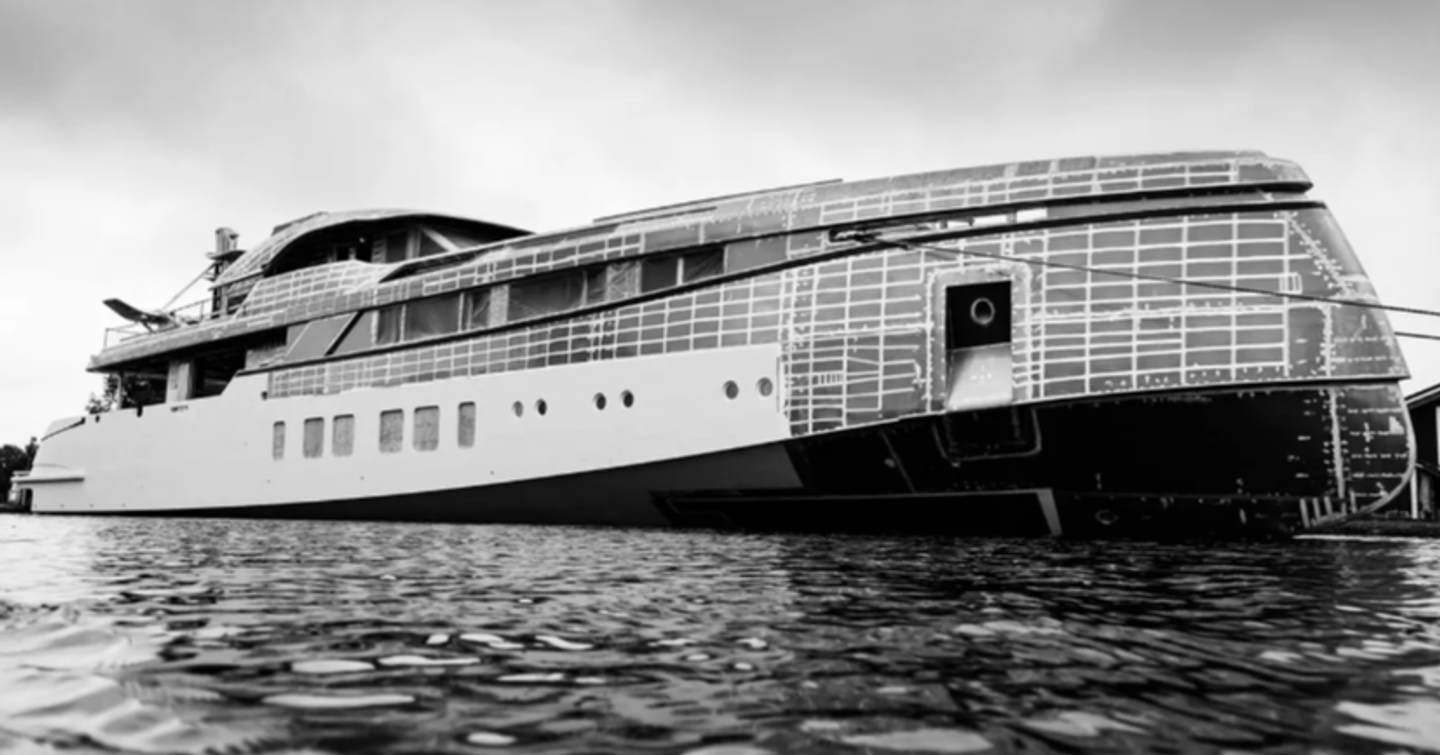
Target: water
[(145, 635)]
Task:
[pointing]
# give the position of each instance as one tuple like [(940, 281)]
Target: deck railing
[(184, 316)]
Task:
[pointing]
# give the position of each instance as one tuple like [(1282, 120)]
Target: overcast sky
[(130, 130)]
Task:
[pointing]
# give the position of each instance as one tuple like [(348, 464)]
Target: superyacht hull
[(1148, 346), (1201, 463)]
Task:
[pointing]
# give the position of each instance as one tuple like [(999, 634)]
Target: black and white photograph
[(740, 377)]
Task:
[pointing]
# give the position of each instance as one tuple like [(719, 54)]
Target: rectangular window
[(466, 436), (392, 431), (703, 264), (342, 440), (545, 296), (658, 272), (277, 441), (387, 324), (435, 316), (427, 428), (595, 285), (477, 309), (397, 246), (744, 255), (313, 445)]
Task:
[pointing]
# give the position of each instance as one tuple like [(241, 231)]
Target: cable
[(877, 239)]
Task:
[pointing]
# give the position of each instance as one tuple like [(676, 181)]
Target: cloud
[(129, 131)]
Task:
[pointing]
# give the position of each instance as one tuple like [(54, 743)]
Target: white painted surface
[(216, 452)]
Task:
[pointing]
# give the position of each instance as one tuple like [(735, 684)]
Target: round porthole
[(627, 398), (518, 408), (731, 389), (600, 401), (764, 386), (541, 407), (982, 311)]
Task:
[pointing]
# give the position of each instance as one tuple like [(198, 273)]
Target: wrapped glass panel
[(700, 265), (387, 325), (361, 335), (744, 255), (427, 428), (313, 444), (658, 272), (545, 296), (622, 280), (466, 435), (342, 442), (595, 284), (392, 431), (477, 309), (315, 338), (436, 316)]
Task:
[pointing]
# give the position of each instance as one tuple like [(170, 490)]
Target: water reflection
[(157, 635)]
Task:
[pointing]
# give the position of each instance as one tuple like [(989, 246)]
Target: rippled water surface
[(151, 635)]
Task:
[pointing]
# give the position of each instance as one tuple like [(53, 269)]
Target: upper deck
[(313, 269)]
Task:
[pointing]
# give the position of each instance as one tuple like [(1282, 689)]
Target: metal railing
[(184, 316)]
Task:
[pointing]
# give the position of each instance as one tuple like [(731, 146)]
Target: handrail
[(184, 316)]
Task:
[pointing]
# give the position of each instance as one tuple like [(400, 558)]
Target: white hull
[(216, 454)]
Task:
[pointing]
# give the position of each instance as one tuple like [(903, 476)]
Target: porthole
[(627, 398), (518, 408), (764, 386), (541, 407), (982, 311), (600, 401), (731, 389)]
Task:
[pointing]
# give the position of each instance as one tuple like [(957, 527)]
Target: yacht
[(1153, 345)]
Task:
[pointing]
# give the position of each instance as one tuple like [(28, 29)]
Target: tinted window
[(313, 444), (477, 309), (658, 272), (360, 336), (387, 325), (343, 441), (277, 441), (700, 265), (392, 431), (595, 285), (427, 428), (466, 435), (397, 245), (432, 317), (544, 296)]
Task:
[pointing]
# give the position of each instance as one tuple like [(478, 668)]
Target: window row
[(425, 435), (530, 298), (425, 423)]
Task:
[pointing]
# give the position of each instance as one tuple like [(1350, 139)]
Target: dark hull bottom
[(1194, 464)]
